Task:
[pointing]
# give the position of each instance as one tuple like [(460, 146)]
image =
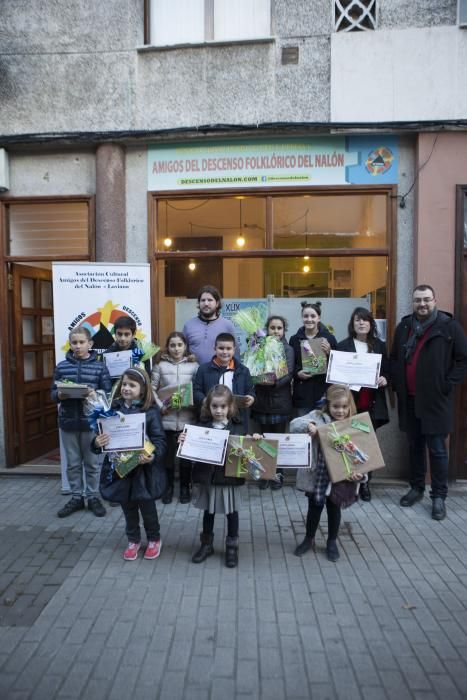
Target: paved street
[(389, 620)]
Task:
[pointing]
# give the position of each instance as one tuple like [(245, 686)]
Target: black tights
[(314, 515), (232, 523)]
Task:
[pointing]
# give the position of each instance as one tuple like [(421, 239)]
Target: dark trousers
[(148, 510), (171, 457), (232, 523), (314, 515), (439, 460)]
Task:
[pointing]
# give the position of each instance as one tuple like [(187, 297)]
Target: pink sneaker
[(131, 552), (153, 550)]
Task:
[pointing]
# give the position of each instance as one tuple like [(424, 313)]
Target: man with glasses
[(428, 358)]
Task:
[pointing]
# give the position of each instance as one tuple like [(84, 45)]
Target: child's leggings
[(232, 523), (314, 514), (148, 510)]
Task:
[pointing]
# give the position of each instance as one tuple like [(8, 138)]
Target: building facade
[(280, 150)]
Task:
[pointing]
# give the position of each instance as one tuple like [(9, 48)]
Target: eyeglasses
[(425, 300)]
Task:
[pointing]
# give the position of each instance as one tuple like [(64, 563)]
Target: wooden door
[(458, 462), (32, 362)]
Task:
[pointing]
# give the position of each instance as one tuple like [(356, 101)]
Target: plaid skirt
[(322, 480)]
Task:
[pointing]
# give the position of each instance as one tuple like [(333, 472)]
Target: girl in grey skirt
[(213, 492)]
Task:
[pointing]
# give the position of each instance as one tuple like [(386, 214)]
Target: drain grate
[(34, 563)]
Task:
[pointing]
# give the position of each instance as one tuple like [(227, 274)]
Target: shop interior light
[(192, 266), (306, 257), (240, 241), (167, 242), (306, 268)]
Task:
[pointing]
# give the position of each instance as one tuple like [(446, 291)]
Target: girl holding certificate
[(309, 386), (176, 368), (363, 338), (213, 492), (146, 481)]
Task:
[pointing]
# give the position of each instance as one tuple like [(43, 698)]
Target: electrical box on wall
[(462, 13), (4, 171)]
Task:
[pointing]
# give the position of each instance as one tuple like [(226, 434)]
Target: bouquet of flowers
[(143, 351), (264, 356), (97, 405)]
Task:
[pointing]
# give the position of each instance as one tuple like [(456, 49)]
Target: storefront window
[(331, 221), (256, 237), (225, 223)]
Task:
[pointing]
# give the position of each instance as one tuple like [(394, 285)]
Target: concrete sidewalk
[(389, 620)]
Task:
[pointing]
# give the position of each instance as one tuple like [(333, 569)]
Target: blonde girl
[(316, 483)]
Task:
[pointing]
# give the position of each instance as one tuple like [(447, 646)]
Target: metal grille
[(354, 15)]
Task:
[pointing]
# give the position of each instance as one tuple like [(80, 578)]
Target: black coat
[(209, 374), (378, 409), (307, 393), (276, 399), (204, 473), (145, 482), (442, 363)]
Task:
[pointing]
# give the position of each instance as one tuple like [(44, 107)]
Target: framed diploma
[(127, 432), (118, 362), (354, 369), (294, 450), (204, 444)]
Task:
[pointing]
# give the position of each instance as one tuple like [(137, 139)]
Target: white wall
[(394, 75)]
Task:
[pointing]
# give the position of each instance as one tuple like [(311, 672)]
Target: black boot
[(185, 495), (365, 493), (304, 546), (231, 552), (206, 548), (185, 482), (168, 495)]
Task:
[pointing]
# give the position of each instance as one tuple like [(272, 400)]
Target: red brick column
[(110, 203)]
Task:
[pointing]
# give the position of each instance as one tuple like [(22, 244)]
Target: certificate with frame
[(118, 362), (294, 450), (354, 369), (204, 444), (127, 431)]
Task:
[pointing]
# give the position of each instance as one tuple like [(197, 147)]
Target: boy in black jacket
[(224, 368), (81, 366)]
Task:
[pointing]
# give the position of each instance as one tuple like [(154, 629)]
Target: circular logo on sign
[(379, 161)]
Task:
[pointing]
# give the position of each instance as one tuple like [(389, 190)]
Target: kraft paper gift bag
[(251, 459), (349, 446)]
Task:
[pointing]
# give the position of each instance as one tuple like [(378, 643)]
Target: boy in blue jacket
[(82, 367), (224, 368)]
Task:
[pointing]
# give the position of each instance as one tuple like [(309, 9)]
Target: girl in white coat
[(175, 367)]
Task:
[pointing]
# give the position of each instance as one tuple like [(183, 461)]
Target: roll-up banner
[(94, 295)]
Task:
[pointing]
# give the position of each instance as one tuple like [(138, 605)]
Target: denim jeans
[(79, 456), (148, 510), (436, 444)]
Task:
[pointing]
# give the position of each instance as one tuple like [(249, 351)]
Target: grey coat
[(306, 478)]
